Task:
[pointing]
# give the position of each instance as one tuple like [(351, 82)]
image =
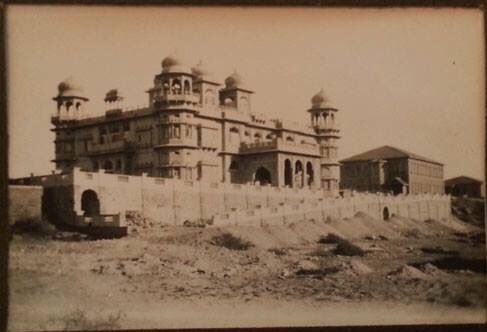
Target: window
[(103, 130), (114, 129), (126, 126), (102, 139)]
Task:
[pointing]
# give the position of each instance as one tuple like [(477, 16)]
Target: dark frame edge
[(4, 225)]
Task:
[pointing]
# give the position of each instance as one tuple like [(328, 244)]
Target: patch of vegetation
[(331, 238), (78, 320), (227, 240), (413, 233), (34, 227), (346, 248), (320, 252)]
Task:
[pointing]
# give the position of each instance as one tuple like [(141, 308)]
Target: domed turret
[(202, 73), (172, 64), (234, 81), (69, 88), (320, 100), (70, 101)]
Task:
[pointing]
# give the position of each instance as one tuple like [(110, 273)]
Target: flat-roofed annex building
[(195, 129), (464, 186), (389, 169)]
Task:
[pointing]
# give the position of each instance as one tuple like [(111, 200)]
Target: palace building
[(195, 128)]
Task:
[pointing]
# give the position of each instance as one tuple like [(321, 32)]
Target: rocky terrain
[(351, 271)]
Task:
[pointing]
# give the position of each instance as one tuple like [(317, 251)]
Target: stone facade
[(193, 129), (390, 169)]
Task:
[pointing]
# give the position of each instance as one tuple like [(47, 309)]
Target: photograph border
[(5, 235)]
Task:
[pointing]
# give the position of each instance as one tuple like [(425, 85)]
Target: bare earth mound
[(163, 277)]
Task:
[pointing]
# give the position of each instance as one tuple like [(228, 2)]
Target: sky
[(409, 78)]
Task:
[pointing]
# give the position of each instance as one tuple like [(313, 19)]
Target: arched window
[(270, 136), (289, 139), (95, 166), (118, 165), (187, 87), (257, 136), (68, 105), (288, 173), (309, 174), (234, 130), (165, 87), (385, 214), (176, 87), (298, 174), (78, 105)]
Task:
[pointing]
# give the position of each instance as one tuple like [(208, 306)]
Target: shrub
[(346, 248), (320, 252), (330, 238), (78, 320), (34, 227), (227, 240)]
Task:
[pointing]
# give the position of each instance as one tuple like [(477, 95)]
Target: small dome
[(70, 88), (234, 81), (172, 64), (202, 73), (320, 100)]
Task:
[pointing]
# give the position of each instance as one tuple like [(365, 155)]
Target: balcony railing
[(170, 98), (117, 146), (280, 145)]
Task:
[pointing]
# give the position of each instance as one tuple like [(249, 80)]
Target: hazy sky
[(410, 78)]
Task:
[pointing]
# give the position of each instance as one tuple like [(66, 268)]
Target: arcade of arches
[(298, 174)]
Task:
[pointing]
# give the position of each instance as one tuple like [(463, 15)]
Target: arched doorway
[(263, 176), (288, 173), (309, 174), (90, 204), (385, 213), (298, 174)]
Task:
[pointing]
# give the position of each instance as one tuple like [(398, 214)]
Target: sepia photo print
[(224, 167)]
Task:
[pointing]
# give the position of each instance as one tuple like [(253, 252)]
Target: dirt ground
[(166, 277)]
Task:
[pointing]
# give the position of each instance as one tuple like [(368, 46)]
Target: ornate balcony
[(280, 145), (112, 147)]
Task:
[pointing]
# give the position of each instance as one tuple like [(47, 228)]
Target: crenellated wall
[(171, 201)]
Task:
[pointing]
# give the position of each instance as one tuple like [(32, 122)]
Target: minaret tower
[(325, 124), (70, 102), (235, 94), (70, 108)]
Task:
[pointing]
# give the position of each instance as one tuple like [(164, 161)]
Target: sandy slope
[(413, 272)]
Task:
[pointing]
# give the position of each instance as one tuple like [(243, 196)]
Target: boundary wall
[(172, 201)]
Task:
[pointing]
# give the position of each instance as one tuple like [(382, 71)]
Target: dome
[(172, 64), (320, 100), (234, 81), (70, 88), (202, 73)]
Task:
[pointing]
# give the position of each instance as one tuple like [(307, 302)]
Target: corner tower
[(235, 94), (70, 102), (324, 122)]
